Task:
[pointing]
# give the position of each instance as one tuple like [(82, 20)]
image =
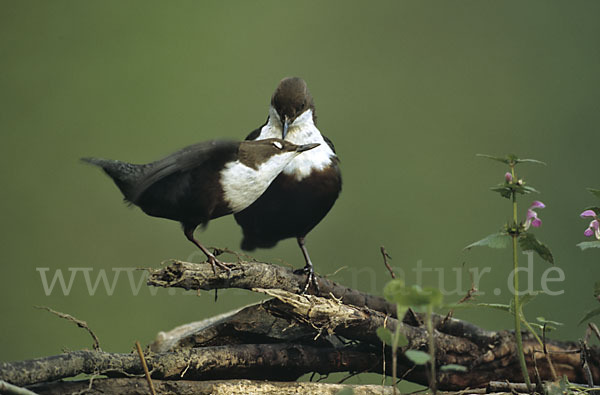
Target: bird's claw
[(214, 262), (310, 279)]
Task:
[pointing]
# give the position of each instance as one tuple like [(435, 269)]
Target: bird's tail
[(125, 175)]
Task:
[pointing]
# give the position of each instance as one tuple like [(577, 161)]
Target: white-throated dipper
[(203, 181), (306, 189)]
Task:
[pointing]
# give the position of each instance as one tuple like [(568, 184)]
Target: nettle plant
[(518, 233)]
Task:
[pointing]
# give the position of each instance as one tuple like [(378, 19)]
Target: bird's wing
[(329, 143), (181, 161), (256, 132)]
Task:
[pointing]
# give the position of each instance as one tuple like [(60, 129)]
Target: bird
[(203, 181), (308, 186)]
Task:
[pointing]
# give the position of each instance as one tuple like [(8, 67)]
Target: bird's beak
[(306, 147), (286, 125)]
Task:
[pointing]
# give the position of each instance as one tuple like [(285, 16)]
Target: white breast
[(301, 131), (242, 185)]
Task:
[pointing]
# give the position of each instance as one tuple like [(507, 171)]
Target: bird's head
[(271, 153), (290, 100)]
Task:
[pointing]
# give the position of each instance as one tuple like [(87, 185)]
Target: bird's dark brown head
[(254, 153), (291, 99)]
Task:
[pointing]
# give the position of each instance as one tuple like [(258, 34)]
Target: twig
[(79, 323), (146, 372), (584, 355), (469, 295), (339, 269), (387, 256), (504, 386), (539, 387), (546, 355), (239, 255), (6, 388), (383, 376), (89, 387)]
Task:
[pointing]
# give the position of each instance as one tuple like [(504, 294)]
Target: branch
[(256, 361), (209, 387), (249, 275), (354, 315), (291, 335)]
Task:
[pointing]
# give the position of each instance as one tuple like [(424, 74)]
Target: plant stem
[(395, 350), (541, 343), (517, 305), (432, 378)]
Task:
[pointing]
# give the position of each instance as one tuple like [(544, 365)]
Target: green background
[(408, 91)]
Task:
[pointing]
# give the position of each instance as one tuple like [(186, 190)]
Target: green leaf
[(495, 240), (528, 189), (385, 335), (418, 357), (528, 242), (545, 321), (415, 296), (393, 288), (505, 160), (453, 367), (535, 161), (401, 310), (435, 296), (584, 245), (412, 296), (511, 159), (504, 190), (590, 314), (595, 192), (536, 325), (559, 388), (526, 298), (402, 340), (497, 306)]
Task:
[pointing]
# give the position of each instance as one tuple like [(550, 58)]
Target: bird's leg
[(189, 233), (308, 268)]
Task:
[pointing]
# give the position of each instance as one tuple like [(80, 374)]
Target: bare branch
[(256, 361), (185, 387), (79, 323)]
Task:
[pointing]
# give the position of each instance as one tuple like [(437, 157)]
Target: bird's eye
[(278, 144)]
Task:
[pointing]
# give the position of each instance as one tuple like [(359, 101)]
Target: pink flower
[(594, 227), (588, 213), (508, 177), (532, 217), (537, 204)]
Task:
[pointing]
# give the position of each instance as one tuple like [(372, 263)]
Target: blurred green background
[(408, 91)]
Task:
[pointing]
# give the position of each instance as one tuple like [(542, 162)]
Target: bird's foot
[(310, 279), (214, 262)]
